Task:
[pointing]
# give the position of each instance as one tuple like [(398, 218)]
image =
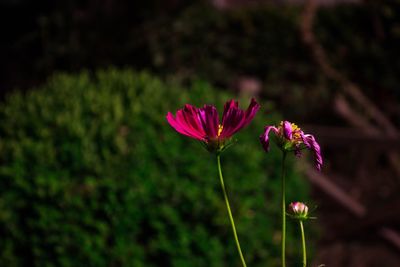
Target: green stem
[(303, 242), (283, 256), (229, 211)]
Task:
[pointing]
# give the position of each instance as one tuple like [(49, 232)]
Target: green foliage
[(92, 175)]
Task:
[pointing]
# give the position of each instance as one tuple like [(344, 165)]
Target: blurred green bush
[(92, 175)]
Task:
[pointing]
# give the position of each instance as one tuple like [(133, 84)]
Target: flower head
[(289, 137), (203, 123), (298, 210)]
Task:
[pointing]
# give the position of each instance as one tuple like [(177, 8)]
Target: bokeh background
[(92, 175)]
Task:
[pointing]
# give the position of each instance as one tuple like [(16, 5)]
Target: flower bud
[(298, 210)]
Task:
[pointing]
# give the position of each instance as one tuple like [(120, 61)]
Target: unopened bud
[(298, 210)]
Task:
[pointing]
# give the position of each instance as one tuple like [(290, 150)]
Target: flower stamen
[(220, 128)]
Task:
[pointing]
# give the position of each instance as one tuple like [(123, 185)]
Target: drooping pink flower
[(290, 138), (203, 123)]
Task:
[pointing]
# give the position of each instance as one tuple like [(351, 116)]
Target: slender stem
[(283, 259), (303, 242), (229, 211)]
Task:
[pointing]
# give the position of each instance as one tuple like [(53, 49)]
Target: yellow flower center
[(296, 137), (220, 128), (296, 131), (295, 127)]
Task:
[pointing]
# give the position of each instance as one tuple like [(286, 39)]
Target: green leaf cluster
[(91, 174)]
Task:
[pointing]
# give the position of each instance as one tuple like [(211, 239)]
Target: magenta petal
[(171, 120), (182, 128), (209, 120), (232, 122), (310, 142), (191, 117), (287, 130), (229, 105), (251, 111), (264, 138), (235, 119), (230, 118), (187, 122)]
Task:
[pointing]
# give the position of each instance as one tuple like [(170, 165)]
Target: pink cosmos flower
[(289, 137), (203, 123)]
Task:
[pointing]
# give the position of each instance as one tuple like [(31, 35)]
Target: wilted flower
[(298, 210), (289, 137), (204, 124)]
